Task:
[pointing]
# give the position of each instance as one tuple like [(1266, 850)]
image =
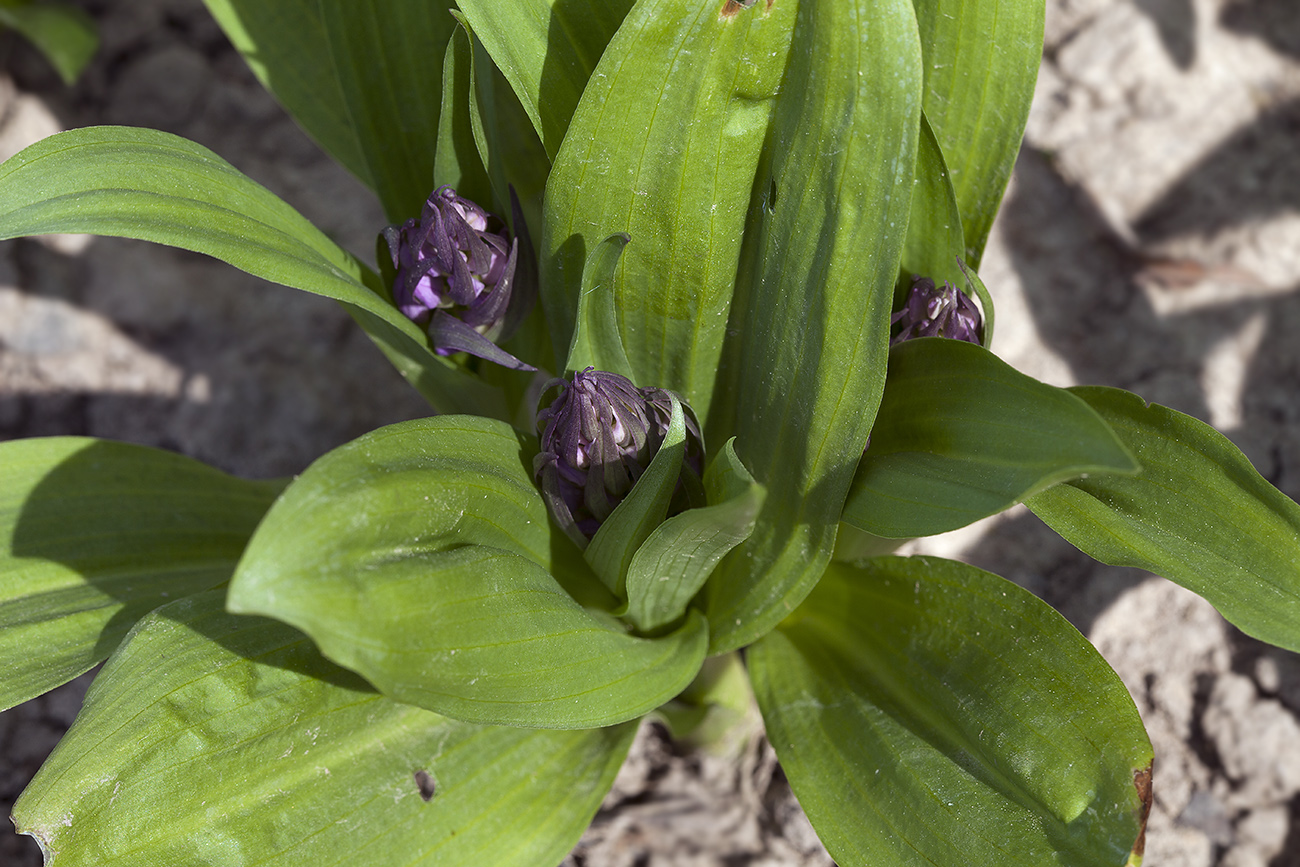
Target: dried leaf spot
[(732, 7), (425, 784), (1142, 782)]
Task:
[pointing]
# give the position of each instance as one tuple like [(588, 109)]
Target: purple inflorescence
[(597, 438), (937, 312)]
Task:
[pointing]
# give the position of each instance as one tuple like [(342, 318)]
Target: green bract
[(401, 657)]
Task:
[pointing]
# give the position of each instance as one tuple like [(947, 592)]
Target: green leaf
[(596, 339), (813, 298), (680, 555), (213, 739), (1198, 514), (664, 147), (288, 49), (981, 62), (642, 510), (507, 143), (153, 186), (63, 33), (547, 50), (95, 534), (422, 557), (962, 435), (930, 713), (934, 232), (456, 159), (976, 285), (388, 57)]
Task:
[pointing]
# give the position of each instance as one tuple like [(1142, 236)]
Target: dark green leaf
[(962, 435), (596, 339), (547, 50), (95, 534), (211, 739), (388, 58), (981, 61), (63, 33), (930, 713), (456, 160), (1198, 514), (421, 556), (813, 296)]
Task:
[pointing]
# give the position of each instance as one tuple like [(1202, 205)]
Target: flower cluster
[(597, 438), (457, 276), (937, 312)]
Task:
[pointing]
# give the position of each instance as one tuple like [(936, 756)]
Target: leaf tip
[(1141, 782)]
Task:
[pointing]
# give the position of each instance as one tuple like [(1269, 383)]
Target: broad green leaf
[(388, 58), (95, 534), (547, 50), (422, 557), (934, 232), (664, 147), (962, 435), (154, 186), (456, 159), (1198, 514), (596, 339), (64, 33), (642, 510), (680, 555), (930, 713), (981, 62), (286, 45), (813, 297), (211, 739)]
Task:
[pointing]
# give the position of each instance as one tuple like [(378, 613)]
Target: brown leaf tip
[(424, 783), (1142, 782)]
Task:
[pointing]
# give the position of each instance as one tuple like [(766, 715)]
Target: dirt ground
[(1150, 240)]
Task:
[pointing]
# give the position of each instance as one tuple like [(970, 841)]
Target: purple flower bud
[(597, 438), (937, 312), (457, 272)]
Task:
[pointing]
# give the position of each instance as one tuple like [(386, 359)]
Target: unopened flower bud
[(456, 276), (937, 312), (597, 438)]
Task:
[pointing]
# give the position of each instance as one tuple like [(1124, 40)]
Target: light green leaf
[(388, 57), (664, 147), (95, 534), (422, 556), (220, 740), (812, 304), (680, 555), (547, 50), (596, 339), (934, 232), (65, 34), (930, 713), (642, 510), (981, 62), (1198, 514), (153, 186), (962, 435), (286, 46), (976, 285)]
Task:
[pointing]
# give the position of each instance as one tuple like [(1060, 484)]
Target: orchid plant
[(756, 366)]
